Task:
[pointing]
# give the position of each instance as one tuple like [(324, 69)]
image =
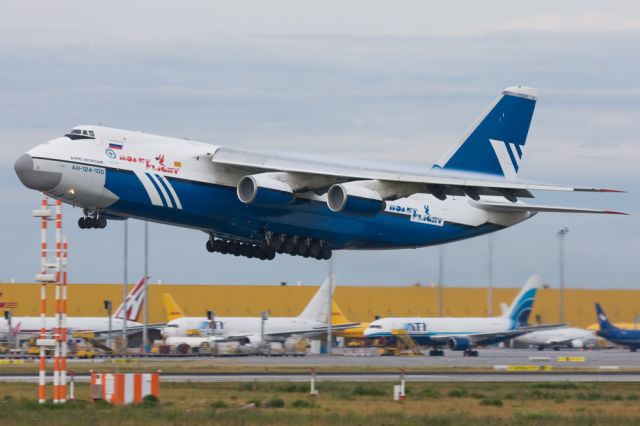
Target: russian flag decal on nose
[(115, 145)]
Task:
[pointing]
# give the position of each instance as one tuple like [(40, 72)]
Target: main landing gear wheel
[(89, 222), (471, 352), (436, 352)]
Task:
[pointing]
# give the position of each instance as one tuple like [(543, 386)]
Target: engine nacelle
[(264, 191), (458, 343), (354, 198), (576, 343)]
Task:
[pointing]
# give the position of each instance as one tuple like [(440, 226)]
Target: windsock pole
[(58, 316), (63, 339), (43, 303)]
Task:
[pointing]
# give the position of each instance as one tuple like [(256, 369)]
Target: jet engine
[(458, 343), (354, 198), (264, 191), (576, 343)]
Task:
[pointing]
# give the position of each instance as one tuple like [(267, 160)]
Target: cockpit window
[(376, 326), (80, 134)]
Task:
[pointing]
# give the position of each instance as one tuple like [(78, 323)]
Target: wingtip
[(620, 191), (615, 212)]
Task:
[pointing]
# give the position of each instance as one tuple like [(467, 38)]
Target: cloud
[(396, 85)]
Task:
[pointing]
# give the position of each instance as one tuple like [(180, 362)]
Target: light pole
[(263, 319), (7, 316), (211, 316), (125, 282), (440, 281), (330, 309), (490, 276), (561, 234), (145, 326), (107, 306)]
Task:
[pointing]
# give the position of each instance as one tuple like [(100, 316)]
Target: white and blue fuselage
[(187, 189), (256, 204)]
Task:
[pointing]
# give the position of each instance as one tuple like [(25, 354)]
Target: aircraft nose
[(35, 179)]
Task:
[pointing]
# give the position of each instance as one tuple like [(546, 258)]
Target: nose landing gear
[(92, 221)]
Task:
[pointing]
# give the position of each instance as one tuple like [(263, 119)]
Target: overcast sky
[(370, 80)]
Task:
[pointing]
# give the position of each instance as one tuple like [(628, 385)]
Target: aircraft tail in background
[(134, 303), (519, 310), (603, 321), (316, 309), (172, 308)]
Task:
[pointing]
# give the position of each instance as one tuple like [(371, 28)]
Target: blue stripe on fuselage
[(217, 208)]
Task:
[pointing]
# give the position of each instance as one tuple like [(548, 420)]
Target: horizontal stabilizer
[(498, 206)]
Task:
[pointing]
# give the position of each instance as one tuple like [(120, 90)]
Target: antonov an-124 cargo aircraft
[(258, 205)]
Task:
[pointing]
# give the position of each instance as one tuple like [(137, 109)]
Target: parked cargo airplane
[(627, 338), (564, 337), (256, 205), (31, 325), (463, 334), (311, 322)]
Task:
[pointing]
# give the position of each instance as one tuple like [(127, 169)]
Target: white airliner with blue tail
[(258, 205), (464, 334)]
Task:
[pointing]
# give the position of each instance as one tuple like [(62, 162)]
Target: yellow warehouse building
[(358, 303)]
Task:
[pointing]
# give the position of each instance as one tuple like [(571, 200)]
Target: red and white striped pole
[(58, 325), (63, 359), (43, 303)]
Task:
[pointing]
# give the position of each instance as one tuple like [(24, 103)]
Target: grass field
[(370, 404)]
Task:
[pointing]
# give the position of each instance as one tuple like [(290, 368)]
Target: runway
[(490, 366), (371, 377)]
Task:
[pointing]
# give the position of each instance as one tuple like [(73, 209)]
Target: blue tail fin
[(602, 319), (495, 143), (522, 305)]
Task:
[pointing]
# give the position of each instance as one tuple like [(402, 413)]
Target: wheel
[(288, 245), (325, 253), (270, 255), (218, 245), (90, 222), (314, 249), (227, 248), (209, 246), (82, 224), (246, 250), (474, 353), (300, 249), (101, 222)]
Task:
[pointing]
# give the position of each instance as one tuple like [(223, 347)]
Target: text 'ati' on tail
[(519, 310), (495, 143)]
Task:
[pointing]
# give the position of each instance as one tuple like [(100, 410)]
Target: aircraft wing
[(498, 206), (131, 329), (485, 338), (393, 184), (313, 331)]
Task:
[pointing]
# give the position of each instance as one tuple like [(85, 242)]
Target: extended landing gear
[(93, 221), (295, 245), (273, 243), (436, 352), (470, 352), (240, 249)]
